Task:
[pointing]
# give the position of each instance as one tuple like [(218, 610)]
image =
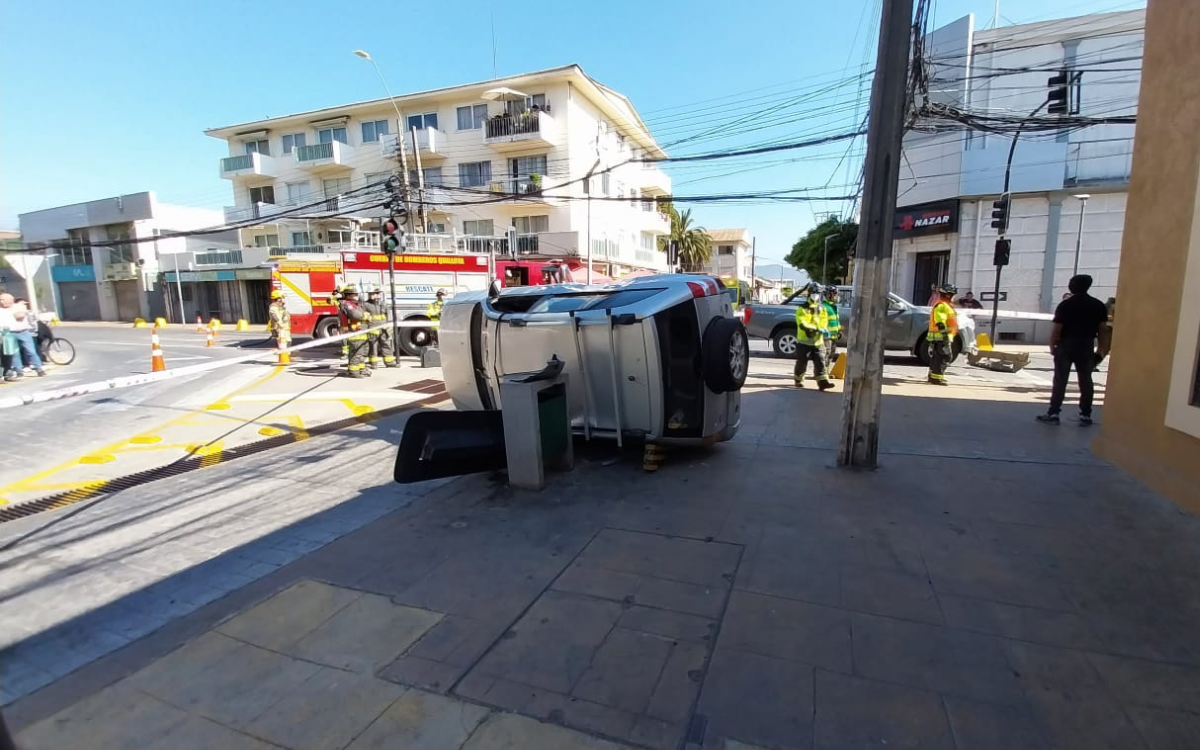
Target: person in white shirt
[(16, 320)]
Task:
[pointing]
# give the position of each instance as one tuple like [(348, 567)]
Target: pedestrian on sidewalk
[(834, 326), (943, 327), (16, 319), (1079, 336), (811, 325)]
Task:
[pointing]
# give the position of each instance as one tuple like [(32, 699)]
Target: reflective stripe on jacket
[(810, 321), (352, 316), (942, 313)]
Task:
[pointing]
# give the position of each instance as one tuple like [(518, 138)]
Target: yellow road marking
[(97, 458), (145, 439)]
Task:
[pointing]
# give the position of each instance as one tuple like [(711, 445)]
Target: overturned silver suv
[(660, 358)]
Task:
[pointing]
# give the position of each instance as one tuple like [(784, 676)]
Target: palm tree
[(695, 246)]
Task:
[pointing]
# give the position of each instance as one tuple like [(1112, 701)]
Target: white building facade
[(950, 178), (104, 259), (731, 253), (507, 158)]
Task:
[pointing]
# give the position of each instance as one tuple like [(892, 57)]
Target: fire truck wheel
[(413, 340), (327, 327)]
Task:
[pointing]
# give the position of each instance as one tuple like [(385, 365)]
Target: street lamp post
[(1083, 199), (399, 133)]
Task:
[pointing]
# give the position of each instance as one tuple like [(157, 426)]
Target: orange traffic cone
[(156, 356), (208, 340), (285, 357), (199, 324)]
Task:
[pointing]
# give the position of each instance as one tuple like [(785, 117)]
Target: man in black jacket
[(1080, 334)]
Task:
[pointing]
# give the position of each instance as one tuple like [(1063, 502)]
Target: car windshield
[(591, 300)]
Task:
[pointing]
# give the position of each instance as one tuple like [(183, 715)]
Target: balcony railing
[(243, 165), (521, 186), (504, 129), (334, 153), (236, 163)]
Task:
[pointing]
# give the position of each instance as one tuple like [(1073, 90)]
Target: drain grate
[(421, 386), (183, 466)]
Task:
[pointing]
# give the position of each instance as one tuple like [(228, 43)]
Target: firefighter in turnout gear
[(434, 311), (834, 327), (943, 327), (354, 319), (280, 323), (812, 324), (381, 353)]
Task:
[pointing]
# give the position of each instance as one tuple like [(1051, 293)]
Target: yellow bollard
[(983, 342), (243, 325), (214, 327), (139, 323), (160, 322), (838, 372)]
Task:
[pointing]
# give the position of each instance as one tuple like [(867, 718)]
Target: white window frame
[(483, 180), (250, 193), (266, 240), (1182, 414), (293, 141), (525, 224), (375, 131), (258, 146), (305, 192), (478, 123), (476, 223), (424, 117), (376, 178), (333, 133), (342, 186), (344, 236)]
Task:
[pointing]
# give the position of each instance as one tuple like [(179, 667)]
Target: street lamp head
[(362, 53), (1081, 196)]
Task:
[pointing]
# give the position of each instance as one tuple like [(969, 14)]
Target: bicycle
[(54, 348)]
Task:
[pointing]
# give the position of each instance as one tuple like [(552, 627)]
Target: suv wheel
[(725, 355), (783, 342)]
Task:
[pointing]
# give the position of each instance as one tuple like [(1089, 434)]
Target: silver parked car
[(906, 327), (654, 357)]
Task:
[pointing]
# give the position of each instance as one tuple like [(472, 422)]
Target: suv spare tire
[(725, 355)]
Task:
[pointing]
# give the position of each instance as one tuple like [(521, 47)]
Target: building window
[(77, 251), (263, 194), (523, 166), (258, 147), (433, 176), (376, 178), (297, 192), (422, 121), (335, 186), (373, 129), (122, 253), (212, 257), (329, 135), (435, 228), (725, 250), (266, 240), (606, 184), (474, 173), (537, 100), (301, 239), (472, 117), (478, 228), (293, 141), (531, 224), (341, 236)]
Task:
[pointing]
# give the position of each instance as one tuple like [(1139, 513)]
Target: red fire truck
[(309, 281)]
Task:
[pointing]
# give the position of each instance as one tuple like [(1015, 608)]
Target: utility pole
[(859, 444), (753, 259), (1083, 199), (420, 182)]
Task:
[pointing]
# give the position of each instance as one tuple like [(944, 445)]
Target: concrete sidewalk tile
[(679, 683), (328, 710), (1080, 718), (1046, 667), (509, 732), (1168, 730), (115, 718), (196, 733), (185, 664), (289, 615), (705, 601), (578, 713), (552, 645), (1011, 579), (1048, 626), (757, 699), (240, 686), (501, 693), (365, 635), (988, 726), (669, 624), (659, 735), (457, 640), (674, 558), (1150, 684), (19, 677), (624, 670), (889, 593), (854, 713), (790, 575), (934, 658), (422, 673), (421, 721), (788, 629)]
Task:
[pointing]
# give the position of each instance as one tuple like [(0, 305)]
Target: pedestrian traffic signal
[(672, 253), (393, 235), (1000, 210), (1003, 251), (1059, 97)]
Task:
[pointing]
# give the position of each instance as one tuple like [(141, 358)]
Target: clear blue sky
[(101, 98)]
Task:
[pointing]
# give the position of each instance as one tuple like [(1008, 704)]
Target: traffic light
[(1000, 213), (1060, 93), (393, 235), (673, 253), (1003, 250)]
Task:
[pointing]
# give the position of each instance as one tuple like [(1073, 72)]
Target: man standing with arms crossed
[(1080, 334), (943, 327)]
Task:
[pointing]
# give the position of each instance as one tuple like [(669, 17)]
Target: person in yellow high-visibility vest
[(835, 324), (812, 326), (943, 327)]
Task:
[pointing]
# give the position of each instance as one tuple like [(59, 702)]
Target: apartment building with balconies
[(106, 259), (732, 253), (551, 162)]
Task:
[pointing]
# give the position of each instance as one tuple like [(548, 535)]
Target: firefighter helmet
[(831, 291), (441, 293), (949, 289), (349, 289), (374, 289), (276, 294)]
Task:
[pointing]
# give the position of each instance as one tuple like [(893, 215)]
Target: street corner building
[(1151, 420)]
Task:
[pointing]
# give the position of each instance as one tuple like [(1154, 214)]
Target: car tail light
[(698, 290), (747, 312)]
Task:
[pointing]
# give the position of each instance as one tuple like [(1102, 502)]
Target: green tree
[(695, 246), (808, 254)]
